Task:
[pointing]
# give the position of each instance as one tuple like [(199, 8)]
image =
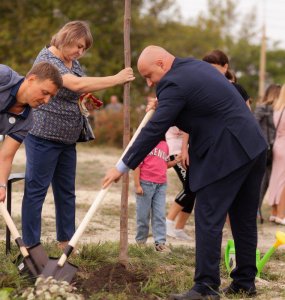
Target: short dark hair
[(45, 70), (216, 57)]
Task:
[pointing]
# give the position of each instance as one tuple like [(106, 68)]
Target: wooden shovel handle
[(9, 222), (146, 118), (78, 233)]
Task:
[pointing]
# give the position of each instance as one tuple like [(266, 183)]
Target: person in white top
[(183, 204)]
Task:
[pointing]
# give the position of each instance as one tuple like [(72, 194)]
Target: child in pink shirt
[(150, 187)]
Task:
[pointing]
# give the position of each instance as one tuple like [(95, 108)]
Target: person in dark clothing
[(18, 95), (227, 151), (220, 61)]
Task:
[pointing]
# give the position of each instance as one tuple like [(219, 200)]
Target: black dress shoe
[(193, 295), (232, 290)]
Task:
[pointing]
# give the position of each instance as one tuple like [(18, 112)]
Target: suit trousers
[(238, 195)]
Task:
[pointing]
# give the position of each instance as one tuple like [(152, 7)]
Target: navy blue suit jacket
[(198, 99)]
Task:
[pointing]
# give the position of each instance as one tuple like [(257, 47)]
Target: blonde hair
[(70, 33), (271, 94), (280, 102)]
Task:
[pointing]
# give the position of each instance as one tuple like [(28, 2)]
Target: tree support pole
[(123, 255)]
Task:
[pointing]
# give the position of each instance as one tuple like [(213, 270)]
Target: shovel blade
[(26, 266), (33, 264), (64, 273), (39, 257)]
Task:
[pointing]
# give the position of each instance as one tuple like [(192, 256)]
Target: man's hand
[(152, 103), (2, 194), (8, 150), (113, 175)]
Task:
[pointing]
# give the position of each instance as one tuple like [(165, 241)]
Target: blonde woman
[(50, 145), (277, 180), (264, 115)]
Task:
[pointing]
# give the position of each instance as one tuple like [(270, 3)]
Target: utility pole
[(262, 63)]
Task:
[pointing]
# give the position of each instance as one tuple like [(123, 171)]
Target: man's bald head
[(153, 63)]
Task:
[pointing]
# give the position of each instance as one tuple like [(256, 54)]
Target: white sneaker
[(170, 228), (181, 235), (280, 221), (272, 218)]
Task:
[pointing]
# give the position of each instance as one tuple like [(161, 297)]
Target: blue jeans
[(48, 163), (151, 205)]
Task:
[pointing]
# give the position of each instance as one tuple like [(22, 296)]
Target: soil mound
[(115, 278)]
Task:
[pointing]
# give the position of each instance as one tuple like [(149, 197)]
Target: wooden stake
[(123, 255)]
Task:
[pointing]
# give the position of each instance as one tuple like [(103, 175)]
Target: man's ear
[(31, 78), (160, 63)]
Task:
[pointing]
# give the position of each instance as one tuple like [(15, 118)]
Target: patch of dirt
[(114, 278)]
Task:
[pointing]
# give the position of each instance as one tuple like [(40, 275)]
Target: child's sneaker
[(181, 235), (272, 218), (170, 228), (162, 248), (141, 244)]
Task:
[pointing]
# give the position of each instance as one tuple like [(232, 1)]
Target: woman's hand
[(88, 103), (125, 75)]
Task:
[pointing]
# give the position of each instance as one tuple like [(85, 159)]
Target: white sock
[(169, 221)]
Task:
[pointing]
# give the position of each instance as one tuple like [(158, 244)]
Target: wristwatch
[(3, 186)]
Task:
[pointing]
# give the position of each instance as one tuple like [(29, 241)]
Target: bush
[(109, 126)]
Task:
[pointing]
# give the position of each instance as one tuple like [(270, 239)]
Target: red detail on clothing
[(154, 166)]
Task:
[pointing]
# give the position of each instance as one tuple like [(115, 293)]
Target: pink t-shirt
[(154, 166)]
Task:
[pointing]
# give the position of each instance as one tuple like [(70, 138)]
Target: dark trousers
[(263, 188), (238, 195), (48, 163)]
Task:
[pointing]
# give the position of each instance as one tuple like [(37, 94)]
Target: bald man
[(227, 162)]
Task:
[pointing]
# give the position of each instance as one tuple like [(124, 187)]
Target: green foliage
[(5, 293), (28, 25)]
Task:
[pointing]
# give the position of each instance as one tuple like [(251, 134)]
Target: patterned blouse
[(60, 120)]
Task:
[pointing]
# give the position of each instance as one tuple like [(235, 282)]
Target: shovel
[(35, 257), (62, 270)]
